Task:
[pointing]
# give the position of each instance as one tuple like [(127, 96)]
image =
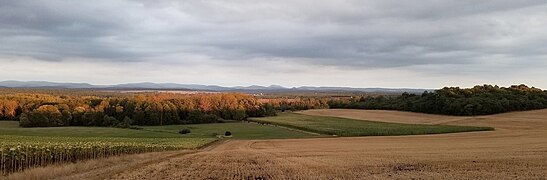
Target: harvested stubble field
[(516, 150)]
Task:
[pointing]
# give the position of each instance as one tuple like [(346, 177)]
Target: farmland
[(12, 128), (273, 90), (22, 148), (351, 127), (517, 149), (239, 130), (18, 153)]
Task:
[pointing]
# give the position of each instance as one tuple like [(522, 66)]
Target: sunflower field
[(18, 153)]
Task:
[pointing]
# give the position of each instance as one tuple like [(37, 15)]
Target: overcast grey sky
[(361, 43)]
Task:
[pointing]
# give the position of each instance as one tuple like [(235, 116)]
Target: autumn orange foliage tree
[(66, 107), (36, 109)]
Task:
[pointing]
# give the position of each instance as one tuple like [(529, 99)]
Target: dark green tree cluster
[(479, 100)]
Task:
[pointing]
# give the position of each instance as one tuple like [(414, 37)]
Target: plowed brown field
[(516, 150)]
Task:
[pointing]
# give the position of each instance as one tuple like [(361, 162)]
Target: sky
[(361, 43)]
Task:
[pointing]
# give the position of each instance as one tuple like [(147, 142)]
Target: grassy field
[(239, 130), (12, 128), (351, 127)]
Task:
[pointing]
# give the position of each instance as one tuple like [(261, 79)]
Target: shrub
[(228, 133), (210, 118), (126, 123), (123, 125), (135, 128), (109, 121), (184, 131)]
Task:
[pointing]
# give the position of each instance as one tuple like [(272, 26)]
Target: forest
[(479, 100), (52, 108)]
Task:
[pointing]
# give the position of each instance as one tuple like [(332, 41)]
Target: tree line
[(43, 110), (479, 100), (37, 108), (49, 108)]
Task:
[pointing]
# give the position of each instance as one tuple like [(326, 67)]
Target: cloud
[(476, 38)]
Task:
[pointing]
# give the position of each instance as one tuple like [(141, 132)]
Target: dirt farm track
[(516, 150)]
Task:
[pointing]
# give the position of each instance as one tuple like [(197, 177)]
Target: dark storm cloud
[(356, 34), (55, 30)]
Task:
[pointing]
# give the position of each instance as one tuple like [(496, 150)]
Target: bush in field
[(228, 133), (184, 131)]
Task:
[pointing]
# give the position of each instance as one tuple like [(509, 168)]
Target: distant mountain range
[(198, 87)]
